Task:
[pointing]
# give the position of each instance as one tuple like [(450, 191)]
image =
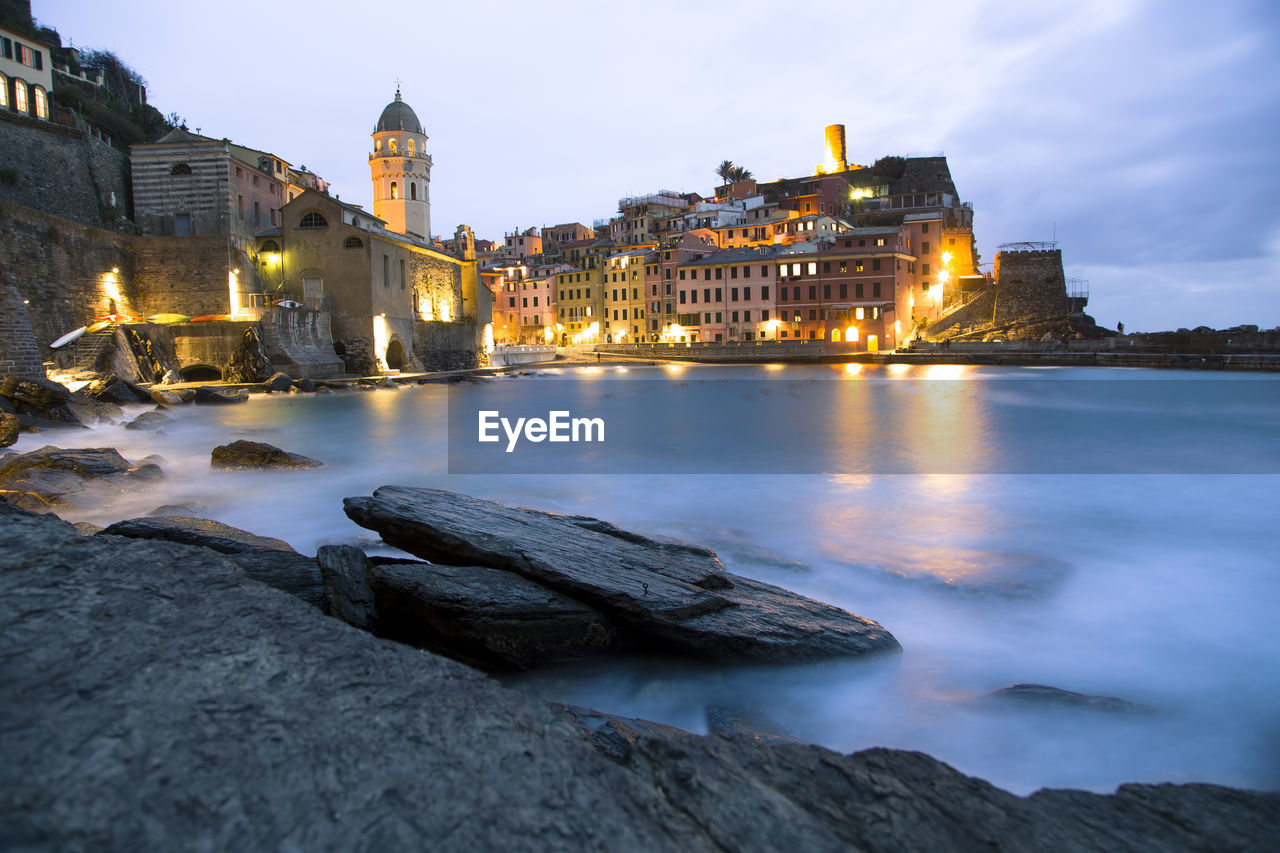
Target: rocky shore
[(174, 683)]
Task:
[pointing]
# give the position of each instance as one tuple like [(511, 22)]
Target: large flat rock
[(152, 697), (674, 594)]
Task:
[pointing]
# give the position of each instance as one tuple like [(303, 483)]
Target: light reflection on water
[(1158, 589)]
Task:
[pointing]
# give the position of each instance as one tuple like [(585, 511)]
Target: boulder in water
[(1044, 696), (148, 421), (52, 477), (206, 394), (279, 382), (674, 596), (256, 454)]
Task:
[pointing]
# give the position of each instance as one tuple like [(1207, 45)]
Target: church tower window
[(391, 146), (411, 147), (395, 191), (413, 191)]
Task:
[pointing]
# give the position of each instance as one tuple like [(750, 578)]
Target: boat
[(168, 318), (210, 318), (287, 303), (73, 335), (98, 326)]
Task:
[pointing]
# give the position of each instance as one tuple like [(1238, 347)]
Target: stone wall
[(449, 346), (977, 314), (183, 275), (63, 269), (299, 342), (1030, 286), (19, 355), (65, 171)]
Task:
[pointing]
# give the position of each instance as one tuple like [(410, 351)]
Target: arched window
[(313, 220), (413, 190), (180, 169), (353, 243), (377, 145), (411, 146), (391, 146), (42, 103), (270, 246), (395, 191), (4, 92), (20, 96)]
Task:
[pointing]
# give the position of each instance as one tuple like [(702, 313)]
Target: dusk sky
[(1145, 133)]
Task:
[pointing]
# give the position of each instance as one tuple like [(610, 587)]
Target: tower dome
[(398, 116)]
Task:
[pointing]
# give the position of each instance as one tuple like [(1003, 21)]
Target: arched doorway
[(395, 355), (835, 336), (200, 373)]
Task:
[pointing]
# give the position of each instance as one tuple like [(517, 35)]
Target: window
[(764, 270), (4, 89), (733, 272), (782, 294), (391, 146), (706, 274), (682, 295), (859, 314), (844, 291), (682, 275), (719, 296), (746, 293), (20, 96), (707, 317), (813, 291), (706, 294), (875, 265), (180, 169), (395, 190), (764, 293), (879, 241), (402, 273), (719, 273), (413, 190), (875, 288), (924, 229), (386, 270), (734, 315), (411, 147), (857, 290), (313, 219), (826, 266), (353, 243), (733, 294), (826, 291), (924, 269), (746, 272), (764, 315), (42, 103), (924, 248)]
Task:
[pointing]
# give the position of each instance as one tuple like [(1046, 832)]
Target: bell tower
[(401, 171)]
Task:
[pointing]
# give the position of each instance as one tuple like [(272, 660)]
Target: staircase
[(84, 353)]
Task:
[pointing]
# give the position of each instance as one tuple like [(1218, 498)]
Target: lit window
[(313, 220), (411, 147), (858, 314), (395, 191), (813, 267), (20, 96), (391, 146), (42, 105), (4, 92), (377, 145)]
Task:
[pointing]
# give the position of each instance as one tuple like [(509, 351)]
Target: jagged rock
[(148, 421), (85, 528), (50, 477), (279, 382), (170, 398), (305, 385), (675, 596), (1042, 695), (153, 697), (738, 722), (257, 454), (113, 389), (486, 616), (344, 570), (263, 558), (207, 395), (35, 392), (205, 532), (87, 408), (170, 377), (10, 427), (613, 735), (186, 510)]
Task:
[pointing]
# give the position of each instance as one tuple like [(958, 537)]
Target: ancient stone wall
[(976, 314), (63, 269), (300, 343), (19, 355), (183, 275), (64, 171), (449, 346), (1030, 285), (437, 285)]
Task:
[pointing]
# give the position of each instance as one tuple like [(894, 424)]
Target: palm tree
[(725, 170), (738, 173)]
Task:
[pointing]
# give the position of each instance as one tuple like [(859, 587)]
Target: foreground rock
[(37, 402), (263, 558), (154, 698), (51, 477), (209, 395), (1044, 696), (256, 454), (10, 426), (673, 595)]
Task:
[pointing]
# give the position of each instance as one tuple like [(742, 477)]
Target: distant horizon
[(1139, 136)]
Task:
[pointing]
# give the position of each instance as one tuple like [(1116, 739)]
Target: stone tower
[(401, 171)]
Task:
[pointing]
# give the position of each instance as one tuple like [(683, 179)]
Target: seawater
[(1159, 588)]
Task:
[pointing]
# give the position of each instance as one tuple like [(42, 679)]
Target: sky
[(1144, 136)]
